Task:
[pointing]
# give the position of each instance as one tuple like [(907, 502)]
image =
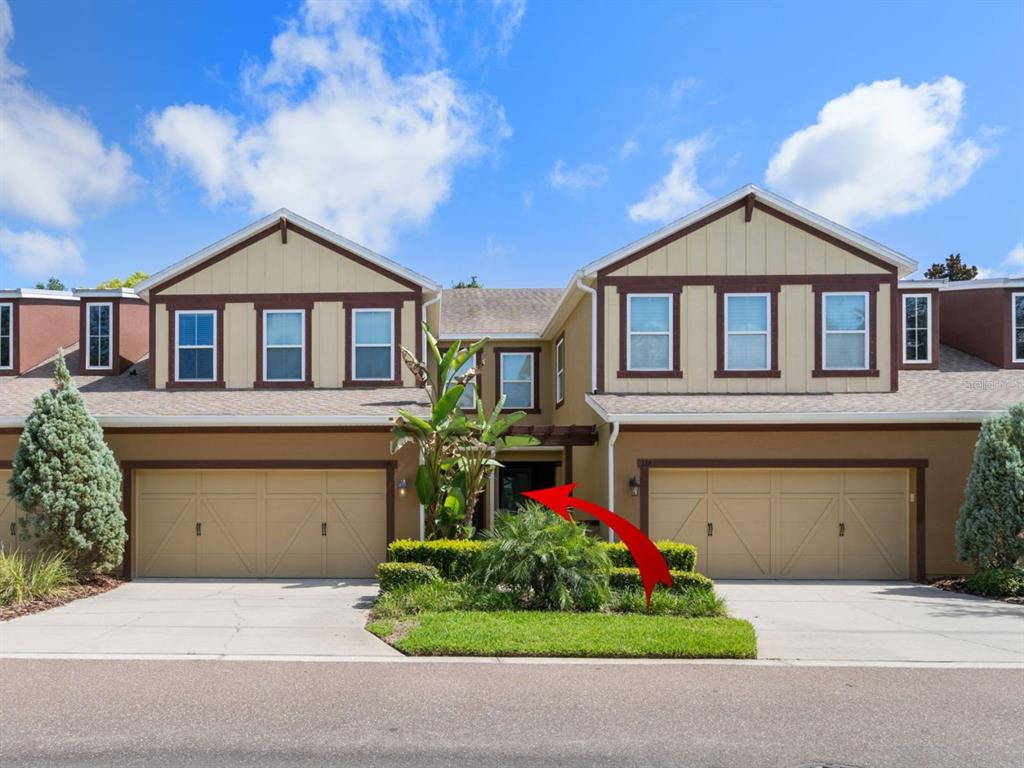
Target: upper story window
[(649, 344), (99, 335), (747, 332), (6, 336), (516, 379), (917, 321), (373, 349), (468, 399), (195, 346), (560, 370), (1018, 327), (845, 335), (284, 343)]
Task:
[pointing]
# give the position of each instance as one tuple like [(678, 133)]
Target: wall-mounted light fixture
[(402, 485), (634, 486)]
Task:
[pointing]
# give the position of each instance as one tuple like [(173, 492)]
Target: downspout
[(423, 347), (612, 437), (593, 332)]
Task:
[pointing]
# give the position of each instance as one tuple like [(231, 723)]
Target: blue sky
[(511, 140)]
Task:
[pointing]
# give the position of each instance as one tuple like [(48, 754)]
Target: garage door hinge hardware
[(323, 529), (199, 529), (711, 529), (842, 529)]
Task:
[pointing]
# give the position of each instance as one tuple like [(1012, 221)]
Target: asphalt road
[(222, 713)]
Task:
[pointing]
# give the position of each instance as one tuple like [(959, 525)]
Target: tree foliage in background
[(471, 283), (67, 480), (953, 268), (129, 282), (990, 531), (457, 453), (53, 284)]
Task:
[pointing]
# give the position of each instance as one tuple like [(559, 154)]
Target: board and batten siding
[(732, 247)]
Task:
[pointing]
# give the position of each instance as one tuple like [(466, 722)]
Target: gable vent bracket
[(284, 229)]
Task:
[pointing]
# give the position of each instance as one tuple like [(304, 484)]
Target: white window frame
[(630, 333), (89, 337), (178, 345), (928, 328), (472, 388), (767, 333), (825, 332), (10, 338), (560, 370), (1013, 326), (533, 377), (301, 346), (390, 346)]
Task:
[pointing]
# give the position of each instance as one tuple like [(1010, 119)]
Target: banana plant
[(457, 454)]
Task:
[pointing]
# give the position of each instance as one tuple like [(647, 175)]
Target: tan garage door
[(274, 524), (787, 523), (10, 539)]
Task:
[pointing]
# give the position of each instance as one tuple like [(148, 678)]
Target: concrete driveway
[(211, 618), (872, 621)]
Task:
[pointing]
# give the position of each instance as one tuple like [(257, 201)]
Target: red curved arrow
[(652, 565)]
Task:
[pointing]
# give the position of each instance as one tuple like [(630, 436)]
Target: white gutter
[(593, 332), (423, 319), (240, 420), (513, 336), (740, 419), (612, 437)]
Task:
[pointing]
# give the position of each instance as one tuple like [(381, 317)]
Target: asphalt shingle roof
[(476, 311)]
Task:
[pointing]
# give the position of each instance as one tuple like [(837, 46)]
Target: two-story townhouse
[(752, 378)]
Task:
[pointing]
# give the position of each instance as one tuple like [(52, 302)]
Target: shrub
[(691, 603), (398, 575), (66, 479), (680, 557), (997, 582), (990, 531), (25, 578), (453, 558), (547, 562), (682, 581), (441, 596)]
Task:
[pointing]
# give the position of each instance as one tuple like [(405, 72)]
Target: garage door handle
[(711, 529), (199, 529), (323, 529), (842, 529)]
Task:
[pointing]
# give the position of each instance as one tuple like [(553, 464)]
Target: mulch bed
[(95, 585), (960, 585)]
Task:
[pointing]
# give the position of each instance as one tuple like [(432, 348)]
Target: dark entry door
[(516, 477)]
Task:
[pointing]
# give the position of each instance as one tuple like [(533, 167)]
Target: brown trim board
[(933, 329), (370, 301), (172, 359), (675, 310), (535, 351), (919, 466), (128, 468), (83, 337), (307, 352), (872, 331), (774, 371)]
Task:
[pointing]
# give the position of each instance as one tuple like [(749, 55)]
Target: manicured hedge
[(680, 557), (453, 558), (629, 578), (397, 575)]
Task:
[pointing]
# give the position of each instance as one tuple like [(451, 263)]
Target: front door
[(519, 476)]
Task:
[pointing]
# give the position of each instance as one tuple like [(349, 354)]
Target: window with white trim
[(917, 322), (373, 344), (6, 336), (1018, 327), (195, 343), (284, 345), (517, 379), (468, 399), (99, 335), (747, 332), (845, 332), (649, 324), (560, 370)]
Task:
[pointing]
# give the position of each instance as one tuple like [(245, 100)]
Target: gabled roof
[(496, 312), (904, 265), (283, 214)]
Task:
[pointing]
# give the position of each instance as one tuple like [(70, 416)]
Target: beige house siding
[(240, 353), (577, 366)]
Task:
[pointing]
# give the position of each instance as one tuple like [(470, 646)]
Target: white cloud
[(628, 148), (53, 164), (342, 139), (881, 150), (527, 199), (1015, 258), (35, 254), (678, 191), (510, 17), (578, 179), (678, 90)]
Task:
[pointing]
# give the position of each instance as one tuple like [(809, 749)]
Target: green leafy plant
[(67, 480), (692, 604), (457, 454), (24, 577), (547, 562), (997, 582), (990, 531), (678, 556), (453, 558), (398, 575), (682, 581), (129, 282), (441, 596)]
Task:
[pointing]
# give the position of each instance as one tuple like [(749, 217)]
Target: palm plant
[(457, 453)]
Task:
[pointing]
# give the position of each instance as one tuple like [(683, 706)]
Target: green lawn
[(536, 633)]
